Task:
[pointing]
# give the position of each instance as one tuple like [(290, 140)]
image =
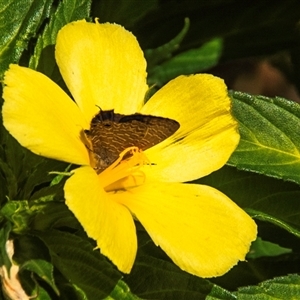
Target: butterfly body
[(110, 133)]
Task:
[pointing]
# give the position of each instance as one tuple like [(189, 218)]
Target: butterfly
[(110, 133)]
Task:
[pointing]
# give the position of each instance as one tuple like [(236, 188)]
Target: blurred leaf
[(295, 62), (67, 11), (5, 173), (38, 175), (4, 236), (261, 248), (43, 269), (48, 193), (55, 215), (24, 172), (249, 28), (3, 186), (8, 186), (41, 294), (287, 287), (270, 136), (189, 62), (121, 292), (124, 12), (29, 247), (20, 20), (11, 157), (84, 267), (162, 53)]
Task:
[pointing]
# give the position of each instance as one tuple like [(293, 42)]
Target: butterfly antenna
[(99, 107)]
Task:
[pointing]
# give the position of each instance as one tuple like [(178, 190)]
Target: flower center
[(124, 174)]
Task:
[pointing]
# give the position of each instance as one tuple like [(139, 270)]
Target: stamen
[(124, 170)]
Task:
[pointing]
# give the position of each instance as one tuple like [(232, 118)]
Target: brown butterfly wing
[(112, 133), (157, 129)]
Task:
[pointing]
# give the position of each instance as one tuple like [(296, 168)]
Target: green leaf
[(43, 269), (258, 215), (67, 11), (287, 287), (270, 136), (18, 213), (121, 292), (153, 278), (20, 20), (83, 266), (21, 214), (261, 248), (80, 294), (218, 293), (189, 62), (31, 286), (60, 175)]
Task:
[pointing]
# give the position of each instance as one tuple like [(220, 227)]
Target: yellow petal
[(104, 220), (41, 116), (207, 135), (102, 64), (200, 229)]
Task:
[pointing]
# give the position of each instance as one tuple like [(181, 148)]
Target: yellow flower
[(201, 229)]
